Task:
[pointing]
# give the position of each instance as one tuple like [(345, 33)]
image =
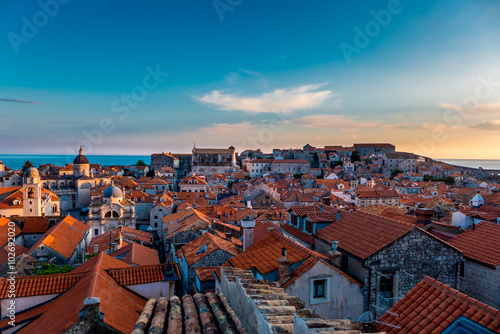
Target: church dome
[(80, 158), (32, 172), (113, 191)]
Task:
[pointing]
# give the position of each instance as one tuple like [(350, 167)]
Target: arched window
[(112, 213), (31, 193)]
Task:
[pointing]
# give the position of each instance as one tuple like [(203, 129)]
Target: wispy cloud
[(493, 108), (19, 101), (226, 129), (283, 100), (328, 121), (493, 125)]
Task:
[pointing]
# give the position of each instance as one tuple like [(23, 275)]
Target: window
[(461, 269), (386, 286), (96, 231), (320, 290)]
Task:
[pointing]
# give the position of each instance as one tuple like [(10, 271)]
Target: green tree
[(140, 163), (151, 173), (50, 269), (297, 175), (27, 165)]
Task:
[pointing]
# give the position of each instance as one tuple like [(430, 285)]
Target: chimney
[(248, 227), (424, 215), (269, 229), (114, 248), (229, 236), (249, 204), (334, 256), (283, 267), (96, 248), (91, 315)]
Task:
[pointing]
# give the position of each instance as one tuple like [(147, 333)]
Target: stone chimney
[(96, 248), (90, 317), (283, 268), (248, 227), (424, 215), (114, 247), (334, 256)]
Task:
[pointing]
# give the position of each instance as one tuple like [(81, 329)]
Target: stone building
[(480, 273), (367, 149), (377, 197), (181, 163), (293, 166), (111, 211), (209, 161), (32, 200), (206, 251), (407, 162), (74, 190), (390, 257)]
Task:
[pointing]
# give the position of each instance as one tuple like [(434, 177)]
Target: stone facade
[(212, 161), (481, 282), (408, 260)]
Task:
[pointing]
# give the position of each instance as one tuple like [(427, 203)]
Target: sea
[(15, 161), (473, 163)]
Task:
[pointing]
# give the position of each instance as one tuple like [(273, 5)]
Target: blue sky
[(425, 76)]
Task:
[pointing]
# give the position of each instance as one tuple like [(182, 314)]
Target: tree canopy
[(27, 165)]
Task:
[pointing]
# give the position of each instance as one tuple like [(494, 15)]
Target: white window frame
[(320, 300)]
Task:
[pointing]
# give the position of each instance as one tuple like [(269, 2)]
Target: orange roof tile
[(136, 254), (137, 275), (431, 306), (481, 245), (362, 234), (264, 254), (119, 305), (193, 251), (207, 273), (40, 285), (4, 230), (64, 236)]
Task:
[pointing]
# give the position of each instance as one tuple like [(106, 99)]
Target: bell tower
[(32, 193)]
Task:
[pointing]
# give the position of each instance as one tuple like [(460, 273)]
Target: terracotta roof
[(308, 239), (481, 245), (18, 251), (136, 254), (4, 229), (362, 234), (264, 254), (35, 225), (138, 275), (64, 236), (196, 250), (119, 305), (431, 306), (261, 230), (182, 220), (207, 273), (40, 285), (202, 313)]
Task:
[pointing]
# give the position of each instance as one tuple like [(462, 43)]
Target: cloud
[(493, 108), (19, 101), (278, 101), (226, 129), (493, 125), (328, 121)]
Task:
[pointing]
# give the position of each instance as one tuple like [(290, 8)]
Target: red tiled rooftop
[(431, 306), (137, 275), (40, 285), (481, 245), (362, 234), (264, 254), (193, 250)]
